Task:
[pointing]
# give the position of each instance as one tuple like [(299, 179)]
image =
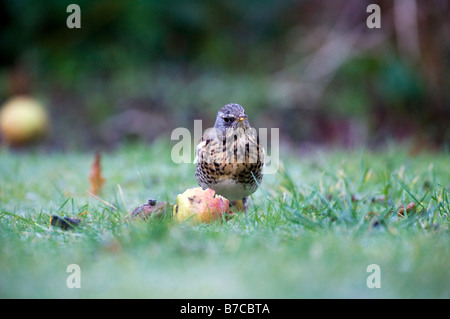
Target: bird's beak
[(242, 118)]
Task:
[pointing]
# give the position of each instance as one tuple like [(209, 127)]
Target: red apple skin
[(200, 206)]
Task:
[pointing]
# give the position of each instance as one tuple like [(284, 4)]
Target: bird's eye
[(227, 119)]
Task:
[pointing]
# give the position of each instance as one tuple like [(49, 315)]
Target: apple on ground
[(200, 206), (23, 120)]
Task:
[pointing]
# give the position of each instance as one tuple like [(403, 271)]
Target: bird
[(229, 157)]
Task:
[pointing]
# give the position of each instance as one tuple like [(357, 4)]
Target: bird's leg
[(245, 202)]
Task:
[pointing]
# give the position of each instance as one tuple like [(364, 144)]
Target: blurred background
[(136, 70)]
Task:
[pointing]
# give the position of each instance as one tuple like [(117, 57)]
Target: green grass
[(306, 234)]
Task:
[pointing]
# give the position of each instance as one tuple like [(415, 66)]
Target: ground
[(312, 229)]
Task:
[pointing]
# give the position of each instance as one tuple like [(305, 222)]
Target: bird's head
[(231, 116)]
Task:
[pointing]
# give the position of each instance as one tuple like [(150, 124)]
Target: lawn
[(311, 231)]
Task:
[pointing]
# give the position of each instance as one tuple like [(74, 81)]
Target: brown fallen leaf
[(95, 177), (409, 208)]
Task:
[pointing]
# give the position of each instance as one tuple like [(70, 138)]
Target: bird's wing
[(211, 135), (198, 150)]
